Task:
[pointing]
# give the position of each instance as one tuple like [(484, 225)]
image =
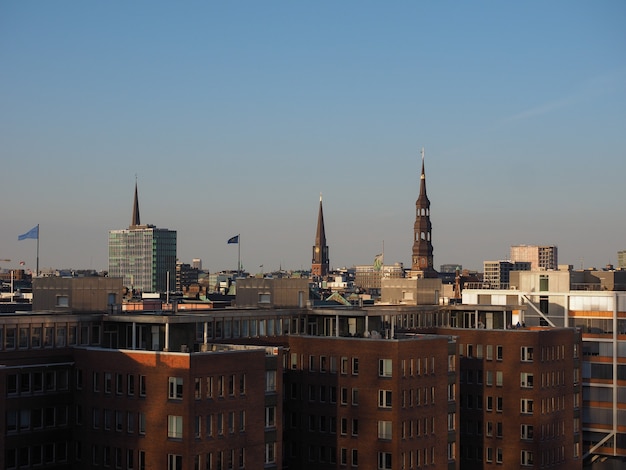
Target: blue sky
[(236, 115)]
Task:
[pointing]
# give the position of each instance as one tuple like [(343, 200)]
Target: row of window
[(347, 365), (221, 460), (384, 460), (527, 457), (36, 455), (26, 420), (244, 328), (548, 353), (548, 379), (59, 335), (129, 384), (38, 381), (410, 397), (116, 457), (117, 420), (217, 424), (218, 386)]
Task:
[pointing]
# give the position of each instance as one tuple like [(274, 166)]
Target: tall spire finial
[(135, 221), (320, 264)]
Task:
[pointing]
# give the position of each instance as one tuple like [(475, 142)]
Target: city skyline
[(235, 117)]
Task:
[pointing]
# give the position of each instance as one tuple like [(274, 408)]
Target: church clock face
[(423, 262), (317, 249)]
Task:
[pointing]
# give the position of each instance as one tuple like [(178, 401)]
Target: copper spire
[(423, 181), (320, 264), (320, 234)]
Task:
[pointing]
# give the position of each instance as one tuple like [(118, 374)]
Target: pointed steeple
[(422, 260), (135, 221), (320, 234), (320, 264), (423, 195)]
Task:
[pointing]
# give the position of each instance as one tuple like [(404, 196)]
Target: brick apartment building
[(346, 387)]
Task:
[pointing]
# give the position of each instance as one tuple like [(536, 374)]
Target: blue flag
[(32, 233), (234, 239)]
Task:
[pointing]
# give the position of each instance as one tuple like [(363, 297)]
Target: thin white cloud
[(540, 110)]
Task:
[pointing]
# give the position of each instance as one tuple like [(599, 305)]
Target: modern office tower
[(450, 268), (621, 259), (186, 275), (422, 259), (143, 255), (196, 263), (368, 277), (320, 264), (496, 273), (540, 257), (594, 302)]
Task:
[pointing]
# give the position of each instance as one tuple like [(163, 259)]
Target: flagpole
[(37, 268), (238, 255)]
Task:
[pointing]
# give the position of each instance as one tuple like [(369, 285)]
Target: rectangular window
[(174, 462), (526, 380), (107, 382), (384, 430), (270, 416), (175, 388), (209, 387), (526, 406), (197, 431), (270, 381), (142, 385), (175, 426), (526, 354), (118, 384), (344, 365), (499, 353), (141, 417), (355, 396), (344, 396), (489, 352), (130, 384), (242, 384), (270, 453), (355, 457), (384, 398), (385, 367), (488, 377), (209, 425), (242, 420), (197, 388), (499, 404), (119, 421), (526, 431), (499, 378), (384, 461), (355, 366), (526, 458)]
